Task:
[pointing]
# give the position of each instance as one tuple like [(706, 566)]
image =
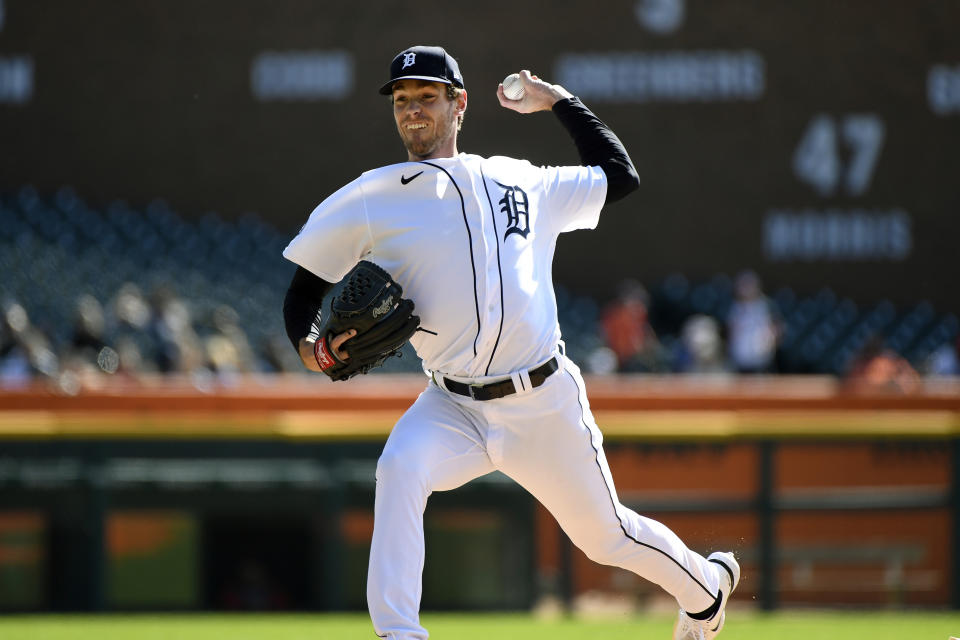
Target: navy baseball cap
[(423, 63)]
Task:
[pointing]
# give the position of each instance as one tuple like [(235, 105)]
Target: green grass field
[(741, 626)]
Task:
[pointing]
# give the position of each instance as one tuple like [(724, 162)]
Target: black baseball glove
[(368, 300)]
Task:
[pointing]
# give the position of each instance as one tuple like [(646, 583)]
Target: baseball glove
[(368, 300)]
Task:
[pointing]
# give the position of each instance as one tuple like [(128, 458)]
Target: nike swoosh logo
[(405, 180)]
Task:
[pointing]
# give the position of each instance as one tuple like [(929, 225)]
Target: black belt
[(503, 388)]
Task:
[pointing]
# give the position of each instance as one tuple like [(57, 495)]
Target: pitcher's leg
[(570, 476), (434, 447)]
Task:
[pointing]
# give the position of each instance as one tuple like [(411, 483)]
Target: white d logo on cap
[(408, 60)]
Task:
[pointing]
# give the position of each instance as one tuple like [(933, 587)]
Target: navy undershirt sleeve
[(301, 305), (598, 146)]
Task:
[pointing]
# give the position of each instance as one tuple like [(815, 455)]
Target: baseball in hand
[(513, 87)]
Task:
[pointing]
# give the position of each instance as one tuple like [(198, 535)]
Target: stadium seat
[(56, 247)]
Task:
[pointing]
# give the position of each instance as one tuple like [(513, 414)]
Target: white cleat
[(689, 629)]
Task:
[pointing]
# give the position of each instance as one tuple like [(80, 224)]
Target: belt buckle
[(472, 388)]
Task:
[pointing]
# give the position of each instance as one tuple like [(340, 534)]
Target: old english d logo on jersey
[(514, 203)]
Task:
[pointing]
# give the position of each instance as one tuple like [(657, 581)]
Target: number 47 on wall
[(818, 159)]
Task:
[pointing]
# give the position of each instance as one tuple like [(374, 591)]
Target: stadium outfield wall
[(831, 496)]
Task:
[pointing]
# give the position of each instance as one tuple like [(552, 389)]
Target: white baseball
[(513, 87)]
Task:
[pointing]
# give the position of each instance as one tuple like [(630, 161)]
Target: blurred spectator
[(627, 330), (89, 324), (178, 348), (86, 354), (129, 358), (701, 348), (944, 361), (753, 326), (14, 363), (88, 339), (25, 352), (131, 330), (227, 348), (878, 368), (130, 310), (601, 361)]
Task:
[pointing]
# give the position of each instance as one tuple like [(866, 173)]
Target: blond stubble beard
[(425, 148)]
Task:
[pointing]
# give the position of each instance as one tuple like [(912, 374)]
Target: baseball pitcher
[(453, 252)]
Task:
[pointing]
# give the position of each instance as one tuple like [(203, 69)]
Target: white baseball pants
[(547, 441)]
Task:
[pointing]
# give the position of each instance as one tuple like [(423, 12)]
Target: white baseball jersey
[(471, 242)]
